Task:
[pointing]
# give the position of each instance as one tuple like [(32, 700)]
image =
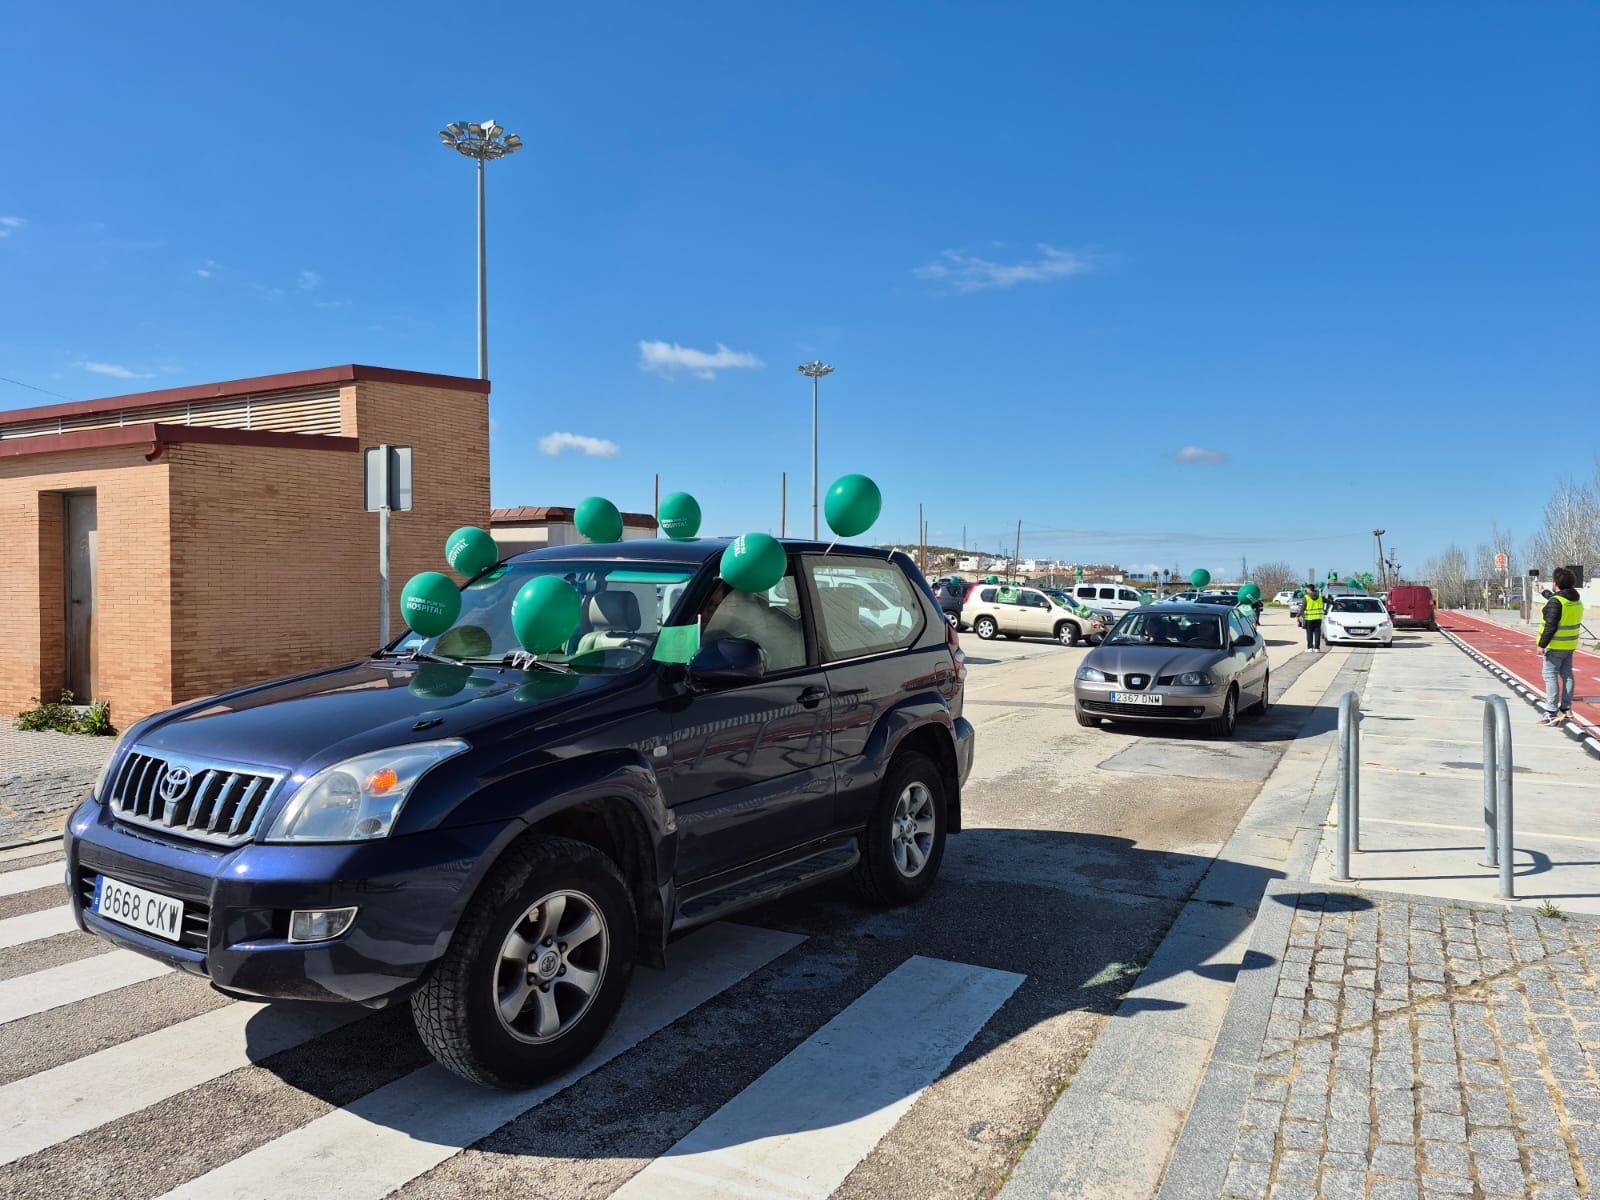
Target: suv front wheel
[(904, 841), (1067, 633), (536, 970)]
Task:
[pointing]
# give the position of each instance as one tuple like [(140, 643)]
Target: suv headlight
[(1091, 675), (359, 798), (1194, 679)]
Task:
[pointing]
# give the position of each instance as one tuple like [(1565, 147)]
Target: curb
[(8, 849), (1586, 736)]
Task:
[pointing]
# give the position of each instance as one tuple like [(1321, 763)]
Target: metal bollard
[(1504, 806), (1491, 851), (1347, 787)]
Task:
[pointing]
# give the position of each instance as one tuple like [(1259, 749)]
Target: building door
[(82, 555)]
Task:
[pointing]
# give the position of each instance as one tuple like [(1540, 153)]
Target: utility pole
[(658, 503), (783, 504), (1016, 562), (1382, 578), (922, 543)]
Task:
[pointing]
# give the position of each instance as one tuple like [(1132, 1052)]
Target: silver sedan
[(1175, 662)]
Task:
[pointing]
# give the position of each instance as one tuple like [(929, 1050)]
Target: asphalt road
[(815, 1047)]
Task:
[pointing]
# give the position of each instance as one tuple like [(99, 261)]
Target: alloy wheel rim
[(550, 966), (914, 827)]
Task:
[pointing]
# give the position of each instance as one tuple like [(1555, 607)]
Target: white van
[(1118, 597)]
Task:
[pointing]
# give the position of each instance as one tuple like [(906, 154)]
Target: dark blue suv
[(500, 837)]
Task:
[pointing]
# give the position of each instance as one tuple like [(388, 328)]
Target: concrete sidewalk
[(1422, 788)]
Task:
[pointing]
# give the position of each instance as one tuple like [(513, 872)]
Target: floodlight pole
[(816, 370), (481, 142), (483, 286)]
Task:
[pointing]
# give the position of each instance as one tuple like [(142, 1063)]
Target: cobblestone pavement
[(42, 778), (1419, 1049)]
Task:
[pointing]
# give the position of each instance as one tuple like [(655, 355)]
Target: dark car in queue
[(499, 837), (1176, 661)]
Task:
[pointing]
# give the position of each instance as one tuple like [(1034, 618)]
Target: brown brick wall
[(133, 632), (221, 565)]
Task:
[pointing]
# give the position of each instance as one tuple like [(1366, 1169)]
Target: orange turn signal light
[(382, 781)]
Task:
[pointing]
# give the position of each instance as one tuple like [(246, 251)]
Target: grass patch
[(1550, 909)]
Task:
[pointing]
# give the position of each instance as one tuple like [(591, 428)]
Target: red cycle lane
[(1518, 652)]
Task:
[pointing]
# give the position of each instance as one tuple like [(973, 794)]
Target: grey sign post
[(388, 490)]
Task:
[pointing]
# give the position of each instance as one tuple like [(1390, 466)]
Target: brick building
[(172, 544), (526, 527)]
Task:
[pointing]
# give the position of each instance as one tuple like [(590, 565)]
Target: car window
[(1108, 593), (770, 619), (1086, 593), (1127, 594), (1032, 600), (1357, 604), (1237, 626), (1149, 627), (848, 629)]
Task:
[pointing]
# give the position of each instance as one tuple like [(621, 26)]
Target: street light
[(483, 142), (816, 370)]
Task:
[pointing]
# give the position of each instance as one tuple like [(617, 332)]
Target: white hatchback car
[(1355, 619)]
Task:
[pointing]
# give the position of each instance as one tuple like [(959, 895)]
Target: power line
[(32, 388)]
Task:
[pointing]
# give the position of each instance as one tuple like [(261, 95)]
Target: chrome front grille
[(206, 801)]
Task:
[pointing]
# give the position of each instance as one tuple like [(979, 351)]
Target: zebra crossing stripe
[(799, 1130), (31, 879), (31, 927), (31, 849), (54, 1105), (41, 991), (389, 1137)]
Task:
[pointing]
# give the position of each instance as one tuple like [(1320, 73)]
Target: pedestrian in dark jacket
[(1559, 627)]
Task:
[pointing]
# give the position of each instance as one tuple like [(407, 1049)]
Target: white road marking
[(25, 995), (799, 1130), (31, 879), (47, 922), (30, 849), (54, 1105), (390, 1136)]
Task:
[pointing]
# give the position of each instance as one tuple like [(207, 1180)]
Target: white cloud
[(330, 304), (9, 225), (969, 273), (308, 280), (555, 444), (1194, 454), (208, 270), (114, 370), (667, 358)]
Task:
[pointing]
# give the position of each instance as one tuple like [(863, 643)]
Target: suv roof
[(689, 550)]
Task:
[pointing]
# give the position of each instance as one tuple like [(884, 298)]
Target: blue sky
[(1346, 257)]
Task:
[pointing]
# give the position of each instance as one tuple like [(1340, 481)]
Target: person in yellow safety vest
[(1311, 617), (1558, 638)]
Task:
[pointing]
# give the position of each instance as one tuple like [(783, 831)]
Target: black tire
[(455, 1010), (1259, 708), (1067, 633), (878, 877), (1087, 720), (985, 628), (1224, 725)]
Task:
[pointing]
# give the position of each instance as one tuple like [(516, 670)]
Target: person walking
[(1311, 618), (1558, 638)]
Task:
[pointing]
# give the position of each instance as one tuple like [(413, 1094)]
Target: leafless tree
[(1274, 577), (1449, 574), (1571, 532)]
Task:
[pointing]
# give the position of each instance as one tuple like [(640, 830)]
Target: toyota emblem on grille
[(174, 783)]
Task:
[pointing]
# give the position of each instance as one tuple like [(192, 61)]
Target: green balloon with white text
[(598, 520), (754, 562), (470, 551), (680, 516), (430, 603)]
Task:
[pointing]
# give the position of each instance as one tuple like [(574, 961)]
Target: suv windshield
[(1358, 604), (1145, 628), (624, 607)]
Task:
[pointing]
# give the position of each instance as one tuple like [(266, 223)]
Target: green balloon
[(1250, 592), (853, 504), (470, 551), (598, 520), (754, 562), (545, 614), (1199, 577), (544, 686), (680, 516), (430, 603)]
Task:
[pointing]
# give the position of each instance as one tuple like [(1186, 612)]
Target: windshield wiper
[(417, 654), (522, 660)]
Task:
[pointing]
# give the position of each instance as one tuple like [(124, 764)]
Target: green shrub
[(60, 716)]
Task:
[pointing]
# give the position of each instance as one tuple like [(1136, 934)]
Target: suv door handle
[(813, 696)]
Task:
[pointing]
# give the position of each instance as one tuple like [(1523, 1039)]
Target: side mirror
[(1243, 643), (725, 662)]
